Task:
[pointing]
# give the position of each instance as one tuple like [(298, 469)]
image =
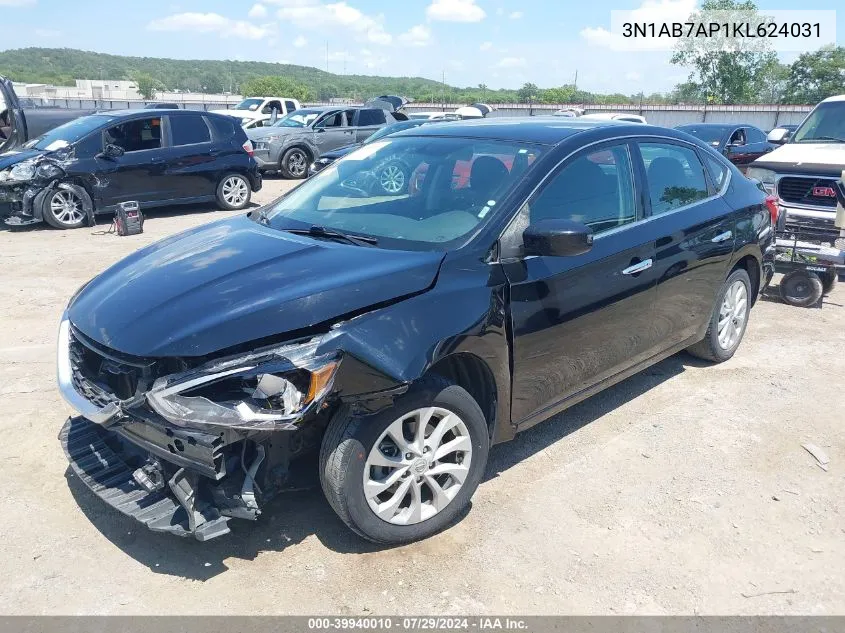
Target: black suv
[(93, 163), (529, 265)]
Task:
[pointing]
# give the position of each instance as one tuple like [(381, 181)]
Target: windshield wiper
[(331, 234), (823, 138)]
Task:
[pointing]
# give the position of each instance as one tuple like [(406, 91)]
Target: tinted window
[(69, 133), (90, 146), (596, 189), (718, 171), (755, 135), (331, 120), (272, 105), (738, 137), (290, 106), (371, 117), (224, 127), (188, 130), (675, 176), (136, 135)]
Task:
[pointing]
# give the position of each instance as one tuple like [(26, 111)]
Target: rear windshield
[(70, 132)]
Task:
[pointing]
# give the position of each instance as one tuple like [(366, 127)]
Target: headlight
[(264, 390), (261, 145), (766, 176), (49, 171), (22, 172)]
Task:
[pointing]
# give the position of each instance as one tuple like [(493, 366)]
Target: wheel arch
[(754, 267), (473, 374)]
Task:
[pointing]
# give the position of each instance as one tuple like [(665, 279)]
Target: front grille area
[(805, 190), (102, 376)]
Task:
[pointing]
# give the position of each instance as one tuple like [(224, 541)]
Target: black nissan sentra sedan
[(528, 265)]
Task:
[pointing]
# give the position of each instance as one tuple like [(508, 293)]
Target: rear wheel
[(407, 472), (65, 208), (801, 288), (233, 192), (295, 163), (728, 321), (829, 280)]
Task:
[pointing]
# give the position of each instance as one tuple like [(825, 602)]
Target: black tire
[(709, 348), (829, 280), (801, 288), (349, 439), (67, 191), (233, 192), (294, 163)]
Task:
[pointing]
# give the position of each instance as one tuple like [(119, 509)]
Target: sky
[(500, 43)]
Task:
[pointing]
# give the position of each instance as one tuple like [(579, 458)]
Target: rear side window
[(224, 126), (675, 176), (596, 189), (371, 117), (718, 171), (189, 130)]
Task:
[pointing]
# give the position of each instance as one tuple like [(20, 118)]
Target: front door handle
[(722, 237), (638, 267)]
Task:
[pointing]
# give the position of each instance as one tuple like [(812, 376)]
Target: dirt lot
[(682, 490)]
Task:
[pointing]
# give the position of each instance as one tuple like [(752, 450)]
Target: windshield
[(249, 104), (390, 129), (412, 193), (712, 135), (68, 133), (826, 124), (298, 118)]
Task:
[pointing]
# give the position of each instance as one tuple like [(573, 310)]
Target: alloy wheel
[(235, 191), (732, 315), (67, 207), (392, 179), (297, 164), (417, 466)]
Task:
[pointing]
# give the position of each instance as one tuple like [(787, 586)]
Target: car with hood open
[(389, 341), (295, 141), (153, 157), (803, 171)]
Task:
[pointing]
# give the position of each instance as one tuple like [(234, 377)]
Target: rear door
[(191, 156), (370, 120), (694, 230), (13, 132), (577, 321)]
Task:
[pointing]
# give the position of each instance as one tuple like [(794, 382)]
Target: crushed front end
[(25, 185), (185, 445)]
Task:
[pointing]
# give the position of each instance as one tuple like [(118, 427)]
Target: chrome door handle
[(722, 237), (638, 267)]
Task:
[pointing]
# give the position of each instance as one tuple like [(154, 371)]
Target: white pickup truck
[(802, 172), (255, 108)]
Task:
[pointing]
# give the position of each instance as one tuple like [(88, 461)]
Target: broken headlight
[(268, 389), (22, 172)]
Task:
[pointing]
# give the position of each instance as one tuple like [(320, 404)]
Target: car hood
[(814, 158), (236, 281), (263, 132), (14, 156)]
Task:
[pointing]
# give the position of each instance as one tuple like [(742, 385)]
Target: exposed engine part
[(150, 476), (247, 490)]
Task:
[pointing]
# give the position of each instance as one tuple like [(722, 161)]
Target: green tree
[(212, 83), (726, 70), (816, 76), (147, 85), (528, 92), (771, 82), (275, 87), (563, 94)]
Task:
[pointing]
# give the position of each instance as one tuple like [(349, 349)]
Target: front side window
[(299, 118), (272, 105), (738, 137), (596, 189), (675, 176), (189, 130), (136, 135), (400, 191), (335, 119)]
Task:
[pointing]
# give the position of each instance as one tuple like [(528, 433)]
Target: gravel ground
[(682, 490)]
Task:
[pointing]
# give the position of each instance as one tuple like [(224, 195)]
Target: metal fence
[(765, 117)]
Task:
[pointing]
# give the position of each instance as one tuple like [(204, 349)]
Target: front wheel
[(728, 321), (408, 471), (233, 192), (295, 163), (65, 207)]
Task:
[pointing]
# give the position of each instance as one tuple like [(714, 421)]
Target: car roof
[(541, 130), (714, 126)]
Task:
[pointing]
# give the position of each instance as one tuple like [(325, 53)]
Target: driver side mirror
[(557, 238), (111, 151), (778, 136)]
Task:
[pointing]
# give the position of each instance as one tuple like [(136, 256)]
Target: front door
[(577, 321), (694, 239), (333, 131), (140, 174)]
